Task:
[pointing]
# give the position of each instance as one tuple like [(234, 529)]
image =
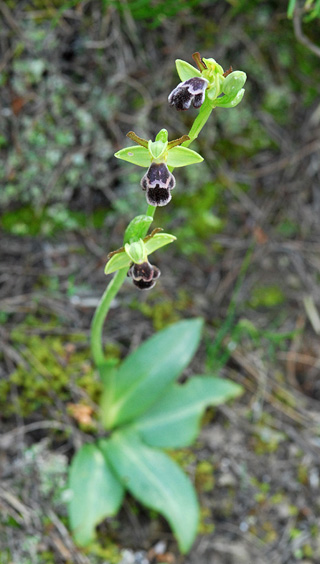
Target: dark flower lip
[(142, 285), (157, 182), (187, 92), (156, 272), (158, 196), (143, 271), (158, 174), (144, 275)]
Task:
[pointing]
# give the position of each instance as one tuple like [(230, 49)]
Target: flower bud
[(234, 82), (158, 181), (187, 92), (144, 275)]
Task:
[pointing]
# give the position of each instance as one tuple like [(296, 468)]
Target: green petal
[(157, 241), (157, 148), (181, 156), (185, 70), (136, 251), (117, 262), (136, 155)]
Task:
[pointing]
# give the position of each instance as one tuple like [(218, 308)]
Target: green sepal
[(157, 149), (136, 155), (136, 251), (234, 82), (162, 136), (157, 241), (185, 70), (137, 228), (229, 101), (181, 156), (117, 262)]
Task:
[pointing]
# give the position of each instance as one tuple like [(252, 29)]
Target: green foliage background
[(75, 77)]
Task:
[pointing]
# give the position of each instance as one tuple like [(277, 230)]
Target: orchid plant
[(143, 408)]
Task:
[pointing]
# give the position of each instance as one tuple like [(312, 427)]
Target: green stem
[(199, 122), (104, 306), (101, 314), (151, 211), (117, 281)]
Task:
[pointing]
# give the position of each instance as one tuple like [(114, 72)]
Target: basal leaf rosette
[(158, 155)]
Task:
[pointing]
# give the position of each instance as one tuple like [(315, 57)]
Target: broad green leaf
[(137, 228), (116, 262), (181, 156), (136, 251), (185, 70), (229, 101), (157, 482), (136, 155), (157, 241), (96, 493), (234, 82), (144, 374), (174, 420)]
